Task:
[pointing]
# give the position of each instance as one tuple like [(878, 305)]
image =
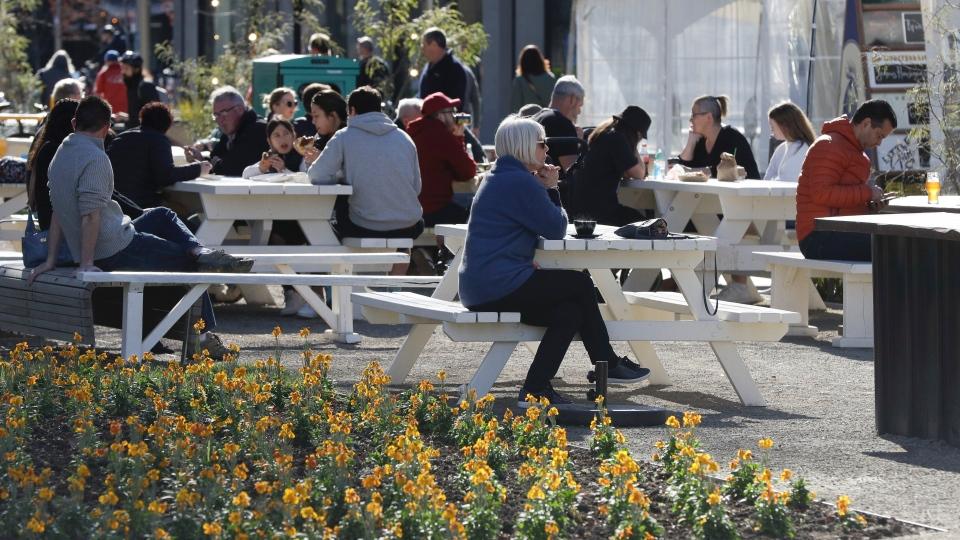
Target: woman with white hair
[(518, 203)]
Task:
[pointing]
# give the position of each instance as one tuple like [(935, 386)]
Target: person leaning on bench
[(833, 181), (101, 237), (516, 205)]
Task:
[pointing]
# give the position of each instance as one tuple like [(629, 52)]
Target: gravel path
[(819, 413)]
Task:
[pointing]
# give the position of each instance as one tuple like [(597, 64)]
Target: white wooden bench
[(673, 302), (133, 284), (504, 331), (791, 273), (377, 243)]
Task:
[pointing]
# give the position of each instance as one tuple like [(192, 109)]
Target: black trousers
[(564, 302), (833, 245)]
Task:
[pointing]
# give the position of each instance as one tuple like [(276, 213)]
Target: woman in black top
[(611, 157), (709, 138), (56, 127)]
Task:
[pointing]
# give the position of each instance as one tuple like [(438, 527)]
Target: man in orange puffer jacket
[(833, 181)]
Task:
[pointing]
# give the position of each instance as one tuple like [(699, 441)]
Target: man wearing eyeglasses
[(243, 134)]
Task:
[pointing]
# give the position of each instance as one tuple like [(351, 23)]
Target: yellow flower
[(45, 493), (36, 525), (304, 332), (714, 498), (441, 376), (212, 529), (843, 505), (551, 528), (242, 499), (765, 444), (673, 422), (691, 419), (307, 512), (786, 475), (276, 332)]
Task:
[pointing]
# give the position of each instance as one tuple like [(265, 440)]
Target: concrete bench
[(791, 273)]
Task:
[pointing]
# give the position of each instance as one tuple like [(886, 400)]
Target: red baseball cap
[(437, 101)]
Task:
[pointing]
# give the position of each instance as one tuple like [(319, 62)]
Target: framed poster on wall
[(912, 28)]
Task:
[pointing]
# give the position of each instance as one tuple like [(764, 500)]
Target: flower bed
[(100, 447)]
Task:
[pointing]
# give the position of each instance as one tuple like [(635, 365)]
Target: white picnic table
[(638, 318), (225, 200), (725, 210)]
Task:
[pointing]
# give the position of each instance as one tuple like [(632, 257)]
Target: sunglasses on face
[(542, 143), (291, 103)]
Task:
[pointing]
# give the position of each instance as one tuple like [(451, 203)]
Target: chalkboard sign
[(891, 69), (912, 27)]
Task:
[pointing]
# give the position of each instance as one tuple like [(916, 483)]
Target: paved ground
[(820, 411)]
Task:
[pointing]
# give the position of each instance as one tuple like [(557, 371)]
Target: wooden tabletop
[(751, 188), (926, 225)]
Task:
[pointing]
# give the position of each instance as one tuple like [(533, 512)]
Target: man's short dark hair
[(92, 114), (877, 110), (435, 35), (364, 99), (156, 116)]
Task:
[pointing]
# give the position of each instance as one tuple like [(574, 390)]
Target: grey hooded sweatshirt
[(380, 162)]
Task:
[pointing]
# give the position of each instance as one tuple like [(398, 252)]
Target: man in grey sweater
[(380, 162), (96, 230)]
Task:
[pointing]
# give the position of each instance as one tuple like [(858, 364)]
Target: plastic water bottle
[(644, 154), (659, 165)]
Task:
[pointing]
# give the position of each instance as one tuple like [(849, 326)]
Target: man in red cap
[(443, 159)]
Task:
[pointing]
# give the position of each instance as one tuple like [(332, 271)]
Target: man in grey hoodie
[(380, 162)]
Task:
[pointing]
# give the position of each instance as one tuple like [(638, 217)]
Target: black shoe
[(554, 397), (160, 348), (627, 372), (220, 261), (214, 347)]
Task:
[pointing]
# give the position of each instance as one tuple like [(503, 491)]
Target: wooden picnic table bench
[(638, 319), (791, 273)]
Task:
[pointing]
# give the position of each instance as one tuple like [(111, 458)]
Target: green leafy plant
[(17, 80), (392, 24)]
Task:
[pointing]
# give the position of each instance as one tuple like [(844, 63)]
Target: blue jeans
[(162, 243)]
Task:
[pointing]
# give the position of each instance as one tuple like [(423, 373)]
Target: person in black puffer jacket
[(142, 159), (242, 137)]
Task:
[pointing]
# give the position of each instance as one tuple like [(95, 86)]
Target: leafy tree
[(938, 97), (262, 31), (16, 75), (392, 26)]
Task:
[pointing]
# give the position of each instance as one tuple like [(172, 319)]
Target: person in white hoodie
[(790, 125), (380, 162)]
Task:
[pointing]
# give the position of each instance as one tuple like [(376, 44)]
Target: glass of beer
[(932, 187)]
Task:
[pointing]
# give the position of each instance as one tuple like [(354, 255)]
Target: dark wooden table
[(918, 203), (916, 303)]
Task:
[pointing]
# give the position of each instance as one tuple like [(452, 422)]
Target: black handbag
[(649, 229)]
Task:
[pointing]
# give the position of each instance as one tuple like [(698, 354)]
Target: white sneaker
[(307, 312), (739, 293), (292, 302)]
